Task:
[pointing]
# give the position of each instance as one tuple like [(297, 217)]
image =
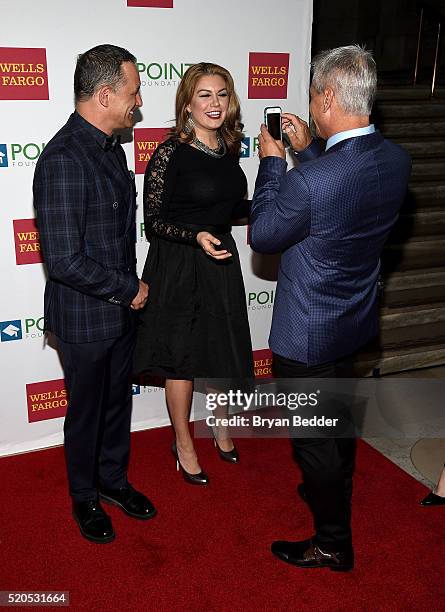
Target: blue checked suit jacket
[(84, 196), (330, 218)]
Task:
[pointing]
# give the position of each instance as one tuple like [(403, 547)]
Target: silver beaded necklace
[(220, 151)]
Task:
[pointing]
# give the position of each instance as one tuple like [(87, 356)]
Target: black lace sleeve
[(156, 197)]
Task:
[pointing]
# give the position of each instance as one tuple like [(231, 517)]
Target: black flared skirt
[(195, 323)]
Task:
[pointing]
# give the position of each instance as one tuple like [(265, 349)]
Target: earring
[(189, 124)]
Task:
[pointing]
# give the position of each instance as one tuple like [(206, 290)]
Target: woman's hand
[(206, 241)]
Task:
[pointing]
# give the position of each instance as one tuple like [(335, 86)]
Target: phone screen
[(274, 125)]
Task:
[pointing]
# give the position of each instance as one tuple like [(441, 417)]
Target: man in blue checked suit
[(85, 200), (329, 217)]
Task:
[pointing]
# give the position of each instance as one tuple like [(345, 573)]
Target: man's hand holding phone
[(297, 131), (269, 140), (268, 146), (272, 120)]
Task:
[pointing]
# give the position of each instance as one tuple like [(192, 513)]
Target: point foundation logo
[(146, 140), (23, 74), (10, 330), (20, 154), (140, 237), (46, 400), (260, 300), (165, 74), (268, 75), (4, 162), (245, 147), (151, 3), (27, 243), (143, 389), (28, 329), (262, 363), (249, 147)]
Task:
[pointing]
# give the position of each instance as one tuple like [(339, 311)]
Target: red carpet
[(208, 549)]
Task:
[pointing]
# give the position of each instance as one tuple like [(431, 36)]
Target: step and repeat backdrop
[(266, 46)]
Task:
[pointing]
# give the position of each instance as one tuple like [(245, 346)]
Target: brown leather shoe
[(308, 554)]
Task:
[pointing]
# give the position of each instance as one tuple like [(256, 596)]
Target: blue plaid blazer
[(330, 218), (84, 197)]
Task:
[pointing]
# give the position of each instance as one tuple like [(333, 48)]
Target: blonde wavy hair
[(231, 130)]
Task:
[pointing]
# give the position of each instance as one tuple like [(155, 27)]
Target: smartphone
[(272, 119)]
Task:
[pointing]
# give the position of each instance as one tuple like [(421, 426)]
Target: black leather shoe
[(308, 554), (302, 492), (197, 479), (230, 456), (94, 524), (132, 502), (433, 500)]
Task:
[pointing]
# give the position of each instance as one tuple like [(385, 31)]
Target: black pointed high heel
[(197, 479), (230, 456), (433, 500)]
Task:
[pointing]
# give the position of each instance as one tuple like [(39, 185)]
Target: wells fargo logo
[(262, 363), (46, 400), (27, 242), (268, 75), (23, 74), (151, 3), (146, 140)]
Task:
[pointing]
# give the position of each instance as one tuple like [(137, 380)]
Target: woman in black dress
[(195, 323)]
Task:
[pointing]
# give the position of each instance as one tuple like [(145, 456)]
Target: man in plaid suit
[(330, 217), (84, 196)]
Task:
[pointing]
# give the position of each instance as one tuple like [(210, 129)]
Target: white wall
[(164, 40)]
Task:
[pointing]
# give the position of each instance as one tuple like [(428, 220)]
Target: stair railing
[(437, 19)]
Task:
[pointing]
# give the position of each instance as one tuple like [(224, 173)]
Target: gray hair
[(352, 74)]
